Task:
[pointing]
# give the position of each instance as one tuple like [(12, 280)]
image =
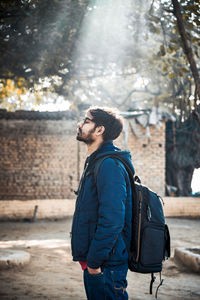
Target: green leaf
[(162, 50), (197, 21), (153, 28), (197, 53), (190, 25), (165, 69), (155, 19), (174, 60), (186, 16), (171, 75), (184, 70), (172, 48), (193, 8), (180, 74), (173, 41), (195, 39)]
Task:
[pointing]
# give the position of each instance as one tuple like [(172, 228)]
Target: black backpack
[(150, 242)]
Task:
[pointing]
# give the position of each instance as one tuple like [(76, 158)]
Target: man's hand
[(94, 271)]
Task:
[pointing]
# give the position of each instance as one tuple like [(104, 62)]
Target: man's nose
[(79, 124)]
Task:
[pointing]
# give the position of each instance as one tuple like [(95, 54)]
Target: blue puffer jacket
[(103, 211)]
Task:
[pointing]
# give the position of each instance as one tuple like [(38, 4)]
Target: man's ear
[(100, 130)]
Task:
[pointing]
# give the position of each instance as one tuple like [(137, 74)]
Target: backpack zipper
[(139, 227)]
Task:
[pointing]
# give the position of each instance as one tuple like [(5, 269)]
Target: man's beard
[(88, 140)]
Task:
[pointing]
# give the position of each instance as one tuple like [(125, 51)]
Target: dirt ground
[(52, 275)]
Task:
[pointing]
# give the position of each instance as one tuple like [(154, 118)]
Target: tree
[(180, 48), (186, 46), (187, 134), (183, 139)]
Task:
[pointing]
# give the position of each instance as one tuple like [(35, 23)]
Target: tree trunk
[(182, 153), (187, 49)]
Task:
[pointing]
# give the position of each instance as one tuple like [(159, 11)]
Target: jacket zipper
[(139, 226), (81, 183), (82, 177), (75, 218)]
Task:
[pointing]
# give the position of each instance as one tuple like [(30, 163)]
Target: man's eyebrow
[(88, 119)]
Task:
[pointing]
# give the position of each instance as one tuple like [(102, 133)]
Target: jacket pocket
[(119, 252)]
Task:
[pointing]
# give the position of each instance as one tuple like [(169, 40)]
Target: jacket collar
[(100, 148)]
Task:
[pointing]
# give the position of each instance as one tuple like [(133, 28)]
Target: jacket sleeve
[(112, 194)]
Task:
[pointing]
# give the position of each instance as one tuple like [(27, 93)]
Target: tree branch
[(186, 47)]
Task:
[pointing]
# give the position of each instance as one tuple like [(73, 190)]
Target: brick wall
[(38, 159), (41, 159), (148, 155)]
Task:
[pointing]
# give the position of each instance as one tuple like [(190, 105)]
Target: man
[(101, 227)]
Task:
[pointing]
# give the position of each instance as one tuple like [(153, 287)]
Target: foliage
[(175, 64), (37, 39), (9, 90)]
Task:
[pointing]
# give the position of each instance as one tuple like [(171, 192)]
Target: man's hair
[(110, 119)]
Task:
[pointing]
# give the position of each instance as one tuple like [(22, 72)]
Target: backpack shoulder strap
[(97, 166), (101, 159), (116, 157)]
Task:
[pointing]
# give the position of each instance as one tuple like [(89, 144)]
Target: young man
[(102, 219)]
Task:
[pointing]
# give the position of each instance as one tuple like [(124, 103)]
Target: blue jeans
[(110, 284)]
